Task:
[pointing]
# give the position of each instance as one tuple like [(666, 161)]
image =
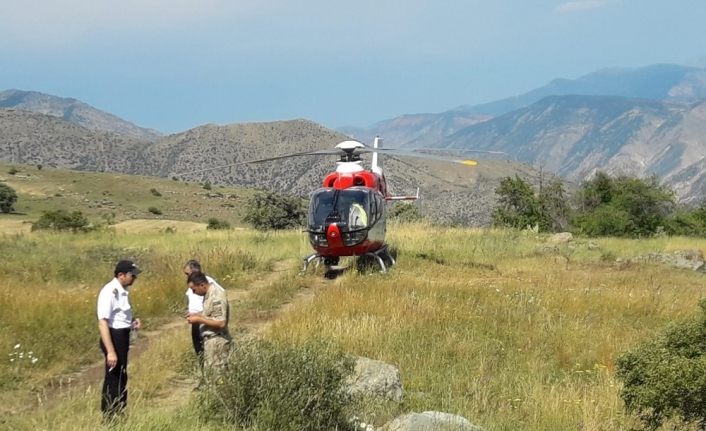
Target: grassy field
[(111, 197), (491, 325), (486, 324)]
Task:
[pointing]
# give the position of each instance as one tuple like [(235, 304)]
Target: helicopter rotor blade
[(324, 152)]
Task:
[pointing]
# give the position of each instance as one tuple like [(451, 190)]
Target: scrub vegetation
[(494, 325), (483, 323)]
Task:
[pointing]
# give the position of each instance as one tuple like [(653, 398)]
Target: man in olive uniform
[(213, 322)]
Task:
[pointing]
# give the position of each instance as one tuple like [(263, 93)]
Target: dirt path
[(53, 392)]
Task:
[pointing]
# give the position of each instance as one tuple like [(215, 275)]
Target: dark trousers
[(197, 341), (114, 398)]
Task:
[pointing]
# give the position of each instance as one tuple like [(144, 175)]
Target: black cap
[(126, 266)]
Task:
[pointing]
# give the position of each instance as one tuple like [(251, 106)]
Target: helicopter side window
[(374, 211)]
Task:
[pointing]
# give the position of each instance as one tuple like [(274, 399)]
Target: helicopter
[(347, 214)]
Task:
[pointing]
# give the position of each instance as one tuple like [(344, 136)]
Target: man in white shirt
[(195, 305), (115, 320)]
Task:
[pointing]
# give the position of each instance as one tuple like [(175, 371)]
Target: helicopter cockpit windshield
[(349, 208)]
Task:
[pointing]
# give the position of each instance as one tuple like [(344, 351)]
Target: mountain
[(416, 130), (450, 192), (575, 136), (667, 82), (662, 82), (31, 138), (74, 111)]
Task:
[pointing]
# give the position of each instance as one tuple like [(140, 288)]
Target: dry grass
[(486, 324), (482, 324)]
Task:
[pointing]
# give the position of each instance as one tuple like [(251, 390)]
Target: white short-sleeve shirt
[(195, 302), (114, 305)]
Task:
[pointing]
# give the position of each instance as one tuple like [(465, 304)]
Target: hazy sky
[(175, 64)]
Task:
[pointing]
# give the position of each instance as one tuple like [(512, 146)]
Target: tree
[(623, 206), (62, 220), (269, 210), (518, 207), (8, 197), (554, 206)]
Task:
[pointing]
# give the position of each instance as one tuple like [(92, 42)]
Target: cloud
[(580, 6)]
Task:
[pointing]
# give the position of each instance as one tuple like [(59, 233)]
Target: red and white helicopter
[(347, 215)]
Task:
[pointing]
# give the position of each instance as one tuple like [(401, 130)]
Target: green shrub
[(518, 206), (62, 220), (665, 379), (207, 186), (8, 197), (405, 212), (155, 210), (269, 210), (275, 387), (217, 224)]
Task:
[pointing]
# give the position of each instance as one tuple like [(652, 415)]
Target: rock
[(430, 421), (692, 259), (561, 238), (376, 379)]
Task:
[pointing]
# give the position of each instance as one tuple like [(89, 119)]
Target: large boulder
[(375, 379), (430, 421)]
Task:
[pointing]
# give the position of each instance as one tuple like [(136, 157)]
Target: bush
[(8, 197), (12, 171), (155, 210), (217, 224), (269, 210), (635, 207), (666, 378), (155, 192), (207, 186), (61, 220), (405, 212), (275, 387), (518, 206)]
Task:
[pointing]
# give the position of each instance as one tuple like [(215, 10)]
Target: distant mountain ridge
[(451, 192), (575, 136), (74, 111), (666, 82), (663, 82)]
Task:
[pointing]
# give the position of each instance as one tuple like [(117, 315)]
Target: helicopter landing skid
[(380, 256)]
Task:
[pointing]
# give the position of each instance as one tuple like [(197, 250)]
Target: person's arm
[(111, 358), (218, 316), (211, 323)]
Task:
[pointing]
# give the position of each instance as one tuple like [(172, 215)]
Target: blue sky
[(175, 64)]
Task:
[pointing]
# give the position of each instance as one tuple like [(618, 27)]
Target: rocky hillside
[(74, 111), (451, 192), (575, 136)]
